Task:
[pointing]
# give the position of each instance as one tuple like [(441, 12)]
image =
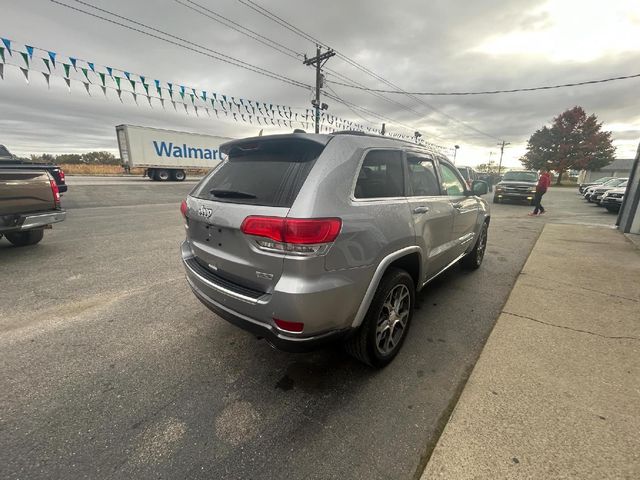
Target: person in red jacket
[(541, 188)]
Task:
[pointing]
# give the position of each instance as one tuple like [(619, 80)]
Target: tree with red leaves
[(574, 141)]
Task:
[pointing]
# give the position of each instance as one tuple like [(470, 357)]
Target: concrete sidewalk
[(556, 391)]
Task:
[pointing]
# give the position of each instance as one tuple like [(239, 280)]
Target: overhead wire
[(277, 19), (187, 44), (269, 42), (495, 92)]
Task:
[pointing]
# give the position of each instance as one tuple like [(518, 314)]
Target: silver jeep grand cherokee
[(304, 239)]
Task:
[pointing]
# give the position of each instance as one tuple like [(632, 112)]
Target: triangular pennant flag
[(2, 54), (204, 96), (110, 71), (215, 96), (74, 61), (146, 88), (117, 79), (235, 117), (47, 77), (181, 92), (52, 57), (224, 97), (7, 44), (186, 108), (25, 57), (86, 73), (135, 97), (103, 77), (92, 67), (86, 86), (258, 118), (157, 82), (142, 79), (104, 90), (208, 112), (128, 75), (29, 51), (162, 102), (213, 103), (150, 104), (47, 64), (196, 109), (2, 71), (67, 68), (193, 99), (68, 82), (119, 95), (133, 84), (243, 119), (174, 105), (25, 72), (170, 85)]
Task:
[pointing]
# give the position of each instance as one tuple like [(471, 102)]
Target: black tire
[(363, 345), (178, 175), (473, 259), (163, 175), (22, 239)]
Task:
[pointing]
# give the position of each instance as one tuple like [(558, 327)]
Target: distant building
[(618, 168)]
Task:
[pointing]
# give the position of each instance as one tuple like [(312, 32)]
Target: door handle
[(422, 209)]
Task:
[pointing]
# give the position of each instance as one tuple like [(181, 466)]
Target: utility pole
[(383, 129), (455, 153), (501, 145), (318, 61)]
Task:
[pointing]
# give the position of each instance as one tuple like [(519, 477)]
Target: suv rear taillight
[(55, 191), (295, 235), (61, 175), (183, 208)]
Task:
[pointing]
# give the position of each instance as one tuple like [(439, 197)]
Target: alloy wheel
[(393, 319)]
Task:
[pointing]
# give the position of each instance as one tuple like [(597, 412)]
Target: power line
[(198, 48), (272, 16), (217, 17), (280, 47), (494, 92)]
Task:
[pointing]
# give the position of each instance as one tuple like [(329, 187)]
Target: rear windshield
[(521, 177), (268, 173)]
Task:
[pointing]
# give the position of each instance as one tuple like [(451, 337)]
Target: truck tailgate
[(25, 191)]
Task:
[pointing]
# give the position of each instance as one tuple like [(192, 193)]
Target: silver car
[(306, 239)]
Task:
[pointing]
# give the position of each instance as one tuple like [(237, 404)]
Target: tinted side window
[(381, 175), (423, 178), (450, 181), (271, 173)]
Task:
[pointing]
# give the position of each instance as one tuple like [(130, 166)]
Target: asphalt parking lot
[(110, 367)]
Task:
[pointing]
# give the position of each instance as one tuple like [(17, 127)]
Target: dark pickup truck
[(516, 185), (29, 203), (8, 160)]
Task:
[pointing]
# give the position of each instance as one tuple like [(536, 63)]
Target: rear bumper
[(31, 221), (611, 202), (266, 331), (326, 306)]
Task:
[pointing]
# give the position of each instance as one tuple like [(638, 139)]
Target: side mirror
[(479, 187)]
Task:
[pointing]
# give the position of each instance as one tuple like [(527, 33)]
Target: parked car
[(306, 239), (583, 186), (596, 196), (593, 193), (612, 199), (29, 203), (488, 179), (469, 175), (516, 185), (8, 160)]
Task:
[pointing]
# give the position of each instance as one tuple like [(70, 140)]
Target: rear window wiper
[(231, 194)]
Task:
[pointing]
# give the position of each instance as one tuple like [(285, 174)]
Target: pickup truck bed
[(29, 203)]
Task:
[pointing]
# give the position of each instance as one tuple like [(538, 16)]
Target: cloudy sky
[(436, 45)]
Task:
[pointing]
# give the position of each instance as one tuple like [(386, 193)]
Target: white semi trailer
[(166, 154)]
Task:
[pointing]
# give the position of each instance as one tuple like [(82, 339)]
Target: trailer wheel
[(178, 175), (162, 175)]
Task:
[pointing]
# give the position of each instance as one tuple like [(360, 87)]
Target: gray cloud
[(418, 45)]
